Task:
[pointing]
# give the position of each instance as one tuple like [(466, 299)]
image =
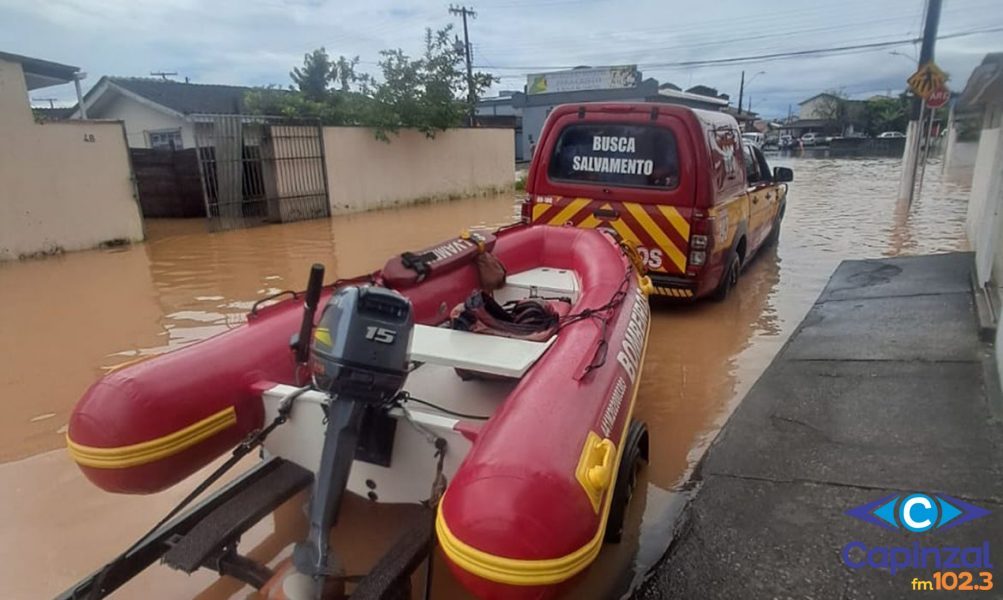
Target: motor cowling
[(360, 344)]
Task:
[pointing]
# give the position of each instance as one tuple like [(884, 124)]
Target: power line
[(734, 60), (626, 57), (794, 21), (704, 33)]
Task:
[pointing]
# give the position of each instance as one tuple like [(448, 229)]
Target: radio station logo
[(917, 512)]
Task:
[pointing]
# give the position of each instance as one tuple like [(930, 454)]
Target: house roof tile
[(187, 98)]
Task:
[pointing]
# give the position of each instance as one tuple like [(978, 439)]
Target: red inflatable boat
[(541, 444)]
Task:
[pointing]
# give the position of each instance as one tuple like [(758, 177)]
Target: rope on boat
[(603, 314)]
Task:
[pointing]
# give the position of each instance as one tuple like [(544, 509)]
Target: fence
[(168, 182), (257, 170)]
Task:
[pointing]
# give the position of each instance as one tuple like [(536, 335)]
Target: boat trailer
[(206, 537), (354, 381)]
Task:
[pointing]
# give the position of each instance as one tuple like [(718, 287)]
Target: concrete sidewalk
[(881, 390)]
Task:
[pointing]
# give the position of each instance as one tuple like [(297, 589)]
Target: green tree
[(886, 114), (428, 93), (313, 78), (345, 74)]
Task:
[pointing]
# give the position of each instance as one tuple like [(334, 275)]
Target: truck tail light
[(701, 241), (526, 210)]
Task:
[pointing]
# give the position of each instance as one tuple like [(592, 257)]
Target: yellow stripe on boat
[(546, 571), (142, 453)]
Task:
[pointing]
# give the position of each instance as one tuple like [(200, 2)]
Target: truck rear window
[(616, 154)]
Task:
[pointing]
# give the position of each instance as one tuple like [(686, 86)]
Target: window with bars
[(167, 139)]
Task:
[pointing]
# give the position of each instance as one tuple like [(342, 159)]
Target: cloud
[(257, 42)]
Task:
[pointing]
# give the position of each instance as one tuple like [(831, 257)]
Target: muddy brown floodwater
[(67, 319)]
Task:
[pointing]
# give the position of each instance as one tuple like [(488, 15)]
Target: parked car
[(754, 137), (892, 134), (678, 183), (809, 139)]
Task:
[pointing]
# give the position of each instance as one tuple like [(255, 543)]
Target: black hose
[(405, 397)]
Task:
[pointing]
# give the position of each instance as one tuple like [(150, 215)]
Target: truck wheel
[(775, 230), (635, 451), (728, 280)]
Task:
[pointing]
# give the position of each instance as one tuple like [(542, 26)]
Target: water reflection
[(67, 318)]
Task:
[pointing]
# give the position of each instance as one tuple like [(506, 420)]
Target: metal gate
[(258, 170)]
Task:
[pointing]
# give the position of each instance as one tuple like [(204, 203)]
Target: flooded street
[(67, 319)]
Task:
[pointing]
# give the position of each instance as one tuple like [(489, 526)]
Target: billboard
[(576, 80)]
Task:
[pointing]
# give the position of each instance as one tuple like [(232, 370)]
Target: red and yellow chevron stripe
[(673, 292), (649, 227)]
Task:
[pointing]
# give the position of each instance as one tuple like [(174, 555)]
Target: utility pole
[(915, 130), (471, 96), (741, 92)]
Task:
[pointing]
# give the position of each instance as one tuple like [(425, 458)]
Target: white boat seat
[(489, 354), (539, 282)]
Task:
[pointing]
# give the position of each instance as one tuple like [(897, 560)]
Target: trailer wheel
[(634, 452)]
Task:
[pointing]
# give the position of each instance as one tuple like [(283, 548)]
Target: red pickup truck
[(678, 183)]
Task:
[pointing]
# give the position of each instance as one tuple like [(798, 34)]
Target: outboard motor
[(359, 358)]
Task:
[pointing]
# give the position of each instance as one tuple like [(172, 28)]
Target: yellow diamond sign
[(927, 79)]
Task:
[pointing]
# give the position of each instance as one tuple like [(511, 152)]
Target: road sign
[(939, 97), (927, 79)]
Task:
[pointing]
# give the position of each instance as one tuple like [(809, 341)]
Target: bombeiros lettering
[(632, 345)]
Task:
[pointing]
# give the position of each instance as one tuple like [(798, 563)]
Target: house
[(829, 114), (705, 90), (158, 113), (745, 118), (819, 107), (984, 93), (67, 184)]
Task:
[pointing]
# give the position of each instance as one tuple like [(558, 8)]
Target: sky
[(257, 42)]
